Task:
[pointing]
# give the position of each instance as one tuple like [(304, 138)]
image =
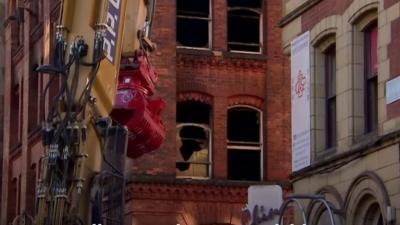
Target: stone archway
[(367, 201)]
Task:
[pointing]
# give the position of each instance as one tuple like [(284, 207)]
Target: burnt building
[(226, 84)]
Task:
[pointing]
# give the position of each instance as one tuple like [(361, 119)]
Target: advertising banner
[(301, 102)]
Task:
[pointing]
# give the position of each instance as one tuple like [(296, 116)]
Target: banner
[(301, 102)]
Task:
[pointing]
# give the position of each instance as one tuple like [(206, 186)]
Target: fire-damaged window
[(244, 144), (244, 26), (193, 140), (193, 23)]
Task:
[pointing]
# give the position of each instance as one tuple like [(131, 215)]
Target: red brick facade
[(216, 77), (220, 79)]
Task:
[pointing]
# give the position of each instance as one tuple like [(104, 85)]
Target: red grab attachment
[(134, 108)]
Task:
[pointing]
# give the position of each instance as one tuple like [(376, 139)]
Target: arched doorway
[(368, 212)]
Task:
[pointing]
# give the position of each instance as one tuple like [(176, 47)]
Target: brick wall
[(223, 75)]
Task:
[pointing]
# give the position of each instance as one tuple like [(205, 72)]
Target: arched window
[(371, 77), (323, 94), (244, 26), (193, 139), (368, 211), (373, 215), (244, 143), (365, 56)]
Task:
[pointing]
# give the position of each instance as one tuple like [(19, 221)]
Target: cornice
[(186, 192), (170, 188), (358, 150), (220, 62)]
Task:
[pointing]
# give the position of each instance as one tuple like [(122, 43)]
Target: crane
[(103, 106)]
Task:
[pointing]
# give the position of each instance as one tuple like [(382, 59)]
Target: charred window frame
[(194, 140), (330, 92), (371, 78), (193, 24), (244, 143), (245, 33)]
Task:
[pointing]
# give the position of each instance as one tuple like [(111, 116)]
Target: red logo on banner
[(300, 84)]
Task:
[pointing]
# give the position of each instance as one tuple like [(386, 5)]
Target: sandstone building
[(354, 107)]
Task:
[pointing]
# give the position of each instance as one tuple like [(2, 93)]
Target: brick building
[(222, 74), (355, 109)]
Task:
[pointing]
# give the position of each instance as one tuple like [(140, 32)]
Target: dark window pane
[(243, 30), (192, 32), (330, 71), (331, 123), (330, 87), (370, 100), (371, 105), (243, 125), (243, 165), (193, 8), (371, 51), (193, 112), (245, 3)]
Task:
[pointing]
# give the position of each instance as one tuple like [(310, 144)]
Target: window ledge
[(225, 54), (194, 178), (364, 137), (194, 51), (326, 153), (142, 178), (370, 143), (245, 55)]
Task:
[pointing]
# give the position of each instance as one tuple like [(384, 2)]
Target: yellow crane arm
[(123, 20), (91, 38)]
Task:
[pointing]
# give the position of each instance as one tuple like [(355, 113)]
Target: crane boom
[(82, 170)]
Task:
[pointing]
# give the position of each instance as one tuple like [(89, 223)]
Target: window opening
[(244, 144), (330, 88), (193, 23), (373, 215), (371, 78), (193, 140), (244, 26)]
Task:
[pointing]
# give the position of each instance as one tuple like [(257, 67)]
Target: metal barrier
[(295, 198)]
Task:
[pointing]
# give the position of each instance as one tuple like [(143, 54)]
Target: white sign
[(393, 90), (301, 103), (264, 202)]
